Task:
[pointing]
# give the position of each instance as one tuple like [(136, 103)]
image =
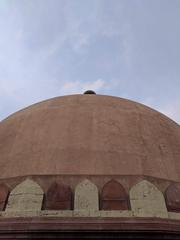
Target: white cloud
[(96, 85), (73, 87)]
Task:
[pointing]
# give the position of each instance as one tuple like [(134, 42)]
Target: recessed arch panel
[(114, 196), (58, 197), (4, 192), (172, 196)]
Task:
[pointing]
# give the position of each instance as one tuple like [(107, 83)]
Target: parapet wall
[(87, 199)]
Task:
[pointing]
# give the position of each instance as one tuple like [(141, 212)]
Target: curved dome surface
[(89, 135)]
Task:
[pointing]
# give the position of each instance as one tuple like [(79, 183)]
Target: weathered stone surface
[(86, 213), (43, 213), (147, 201), (24, 213), (114, 197), (116, 213), (58, 197), (174, 215), (27, 196), (53, 213), (78, 213), (172, 196), (4, 191), (86, 196)]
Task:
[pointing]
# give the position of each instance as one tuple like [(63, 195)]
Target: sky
[(124, 48)]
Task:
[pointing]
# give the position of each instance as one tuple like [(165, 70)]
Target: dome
[(89, 135), (89, 166)]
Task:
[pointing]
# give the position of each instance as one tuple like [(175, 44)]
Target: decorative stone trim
[(86, 196), (27, 196), (147, 201)]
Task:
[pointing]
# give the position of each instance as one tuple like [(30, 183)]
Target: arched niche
[(86, 196), (172, 196), (114, 197), (147, 201), (58, 197), (4, 192), (26, 196)]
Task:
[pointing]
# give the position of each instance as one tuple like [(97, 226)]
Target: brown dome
[(89, 135)]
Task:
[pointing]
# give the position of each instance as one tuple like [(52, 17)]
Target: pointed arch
[(172, 197), (86, 196), (4, 192), (114, 196), (26, 196), (58, 197), (147, 201)]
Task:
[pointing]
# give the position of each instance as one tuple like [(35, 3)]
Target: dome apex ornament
[(89, 92)]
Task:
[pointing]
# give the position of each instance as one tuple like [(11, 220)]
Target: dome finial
[(89, 92)]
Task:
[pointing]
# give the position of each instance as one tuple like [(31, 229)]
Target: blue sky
[(126, 48)]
